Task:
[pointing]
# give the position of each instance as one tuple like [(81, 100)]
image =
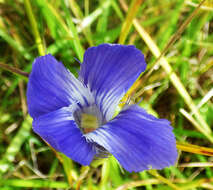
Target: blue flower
[(75, 116)]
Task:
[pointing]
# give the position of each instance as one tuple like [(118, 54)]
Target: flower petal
[(137, 140), (51, 86), (109, 70), (59, 129)]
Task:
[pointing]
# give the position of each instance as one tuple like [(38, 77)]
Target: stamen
[(128, 101)]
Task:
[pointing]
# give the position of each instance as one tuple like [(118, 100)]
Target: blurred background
[(177, 87)]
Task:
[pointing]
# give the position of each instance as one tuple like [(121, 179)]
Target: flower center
[(89, 118), (88, 122)]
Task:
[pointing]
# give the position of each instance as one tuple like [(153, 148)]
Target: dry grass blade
[(82, 176), (205, 99), (175, 37), (194, 149), (203, 7), (185, 184), (196, 164), (138, 184), (14, 70), (172, 76), (164, 180), (21, 90), (194, 122)]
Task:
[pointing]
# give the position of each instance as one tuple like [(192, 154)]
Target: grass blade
[(174, 79), (15, 145), (33, 183), (35, 31), (128, 22)]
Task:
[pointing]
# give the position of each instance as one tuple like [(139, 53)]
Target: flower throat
[(88, 122)]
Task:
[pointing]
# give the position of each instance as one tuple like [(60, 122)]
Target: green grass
[(179, 88)]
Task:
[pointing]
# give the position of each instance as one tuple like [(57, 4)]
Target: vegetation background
[(176, 86)]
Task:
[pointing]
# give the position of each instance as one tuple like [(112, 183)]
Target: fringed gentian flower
[(75, 116)]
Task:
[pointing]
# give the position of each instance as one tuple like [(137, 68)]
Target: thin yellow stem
[(128, 21), (35, 31), (163, 179), (186, 147)]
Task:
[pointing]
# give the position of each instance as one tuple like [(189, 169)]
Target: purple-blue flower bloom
[(59, 104)]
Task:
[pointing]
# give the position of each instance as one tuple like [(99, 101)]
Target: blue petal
[(139, 141), (51, 86), (109, 70), (59, 129)]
